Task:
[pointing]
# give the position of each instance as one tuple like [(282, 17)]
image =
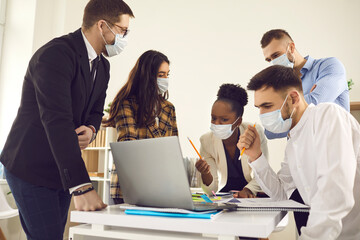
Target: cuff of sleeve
[(208, 189), (259, 164), (93, 129), (71, 190)]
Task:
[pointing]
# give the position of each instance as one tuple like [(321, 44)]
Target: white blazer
[(213, 152)]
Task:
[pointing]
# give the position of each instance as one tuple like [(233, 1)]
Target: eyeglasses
[(123, 31)]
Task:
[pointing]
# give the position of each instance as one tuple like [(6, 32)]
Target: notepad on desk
[(268, 204)]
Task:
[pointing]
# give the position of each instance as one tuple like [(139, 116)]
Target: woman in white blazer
[(221, 169)]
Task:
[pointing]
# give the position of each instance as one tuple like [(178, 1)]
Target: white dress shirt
[(322, 160)]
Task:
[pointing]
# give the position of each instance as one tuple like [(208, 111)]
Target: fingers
[(245, 193), (254, 131), (89, 202), (247, 138), (202, 166), (313, 88), (80, 129), (84, 136)]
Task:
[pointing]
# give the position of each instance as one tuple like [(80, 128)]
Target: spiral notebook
[(268, 204)]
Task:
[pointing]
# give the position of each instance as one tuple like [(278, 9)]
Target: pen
[(194, 148), (213, 193), (243, 149)]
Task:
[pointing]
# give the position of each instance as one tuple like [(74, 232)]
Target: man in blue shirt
[(323, 80)]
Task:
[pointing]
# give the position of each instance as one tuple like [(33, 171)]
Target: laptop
[(152, 173)]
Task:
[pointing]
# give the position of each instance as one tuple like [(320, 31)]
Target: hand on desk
[(245, 193), (89, 201), (84, 136)]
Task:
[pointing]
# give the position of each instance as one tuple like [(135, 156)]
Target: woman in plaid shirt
[(140, 109)]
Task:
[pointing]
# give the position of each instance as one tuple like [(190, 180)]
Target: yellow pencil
[(243, 149), (194, 148)]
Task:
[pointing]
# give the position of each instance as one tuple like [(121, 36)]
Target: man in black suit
[(60, 112)]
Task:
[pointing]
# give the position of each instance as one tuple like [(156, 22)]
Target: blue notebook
[(172, 214)]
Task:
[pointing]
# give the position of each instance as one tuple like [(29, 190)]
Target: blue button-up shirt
[(331, 85)]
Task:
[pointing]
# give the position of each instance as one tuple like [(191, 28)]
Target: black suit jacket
[(57, 97)]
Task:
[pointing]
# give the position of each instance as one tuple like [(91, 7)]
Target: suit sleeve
[(53, 71)]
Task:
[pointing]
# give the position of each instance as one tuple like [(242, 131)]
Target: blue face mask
[(273, 121), (118, 46), (283, 60)]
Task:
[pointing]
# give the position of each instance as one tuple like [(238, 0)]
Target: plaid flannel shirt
[(127, 131)]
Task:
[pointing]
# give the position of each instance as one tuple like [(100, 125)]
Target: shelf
[(99, 179), (354, 106), (97, 148)]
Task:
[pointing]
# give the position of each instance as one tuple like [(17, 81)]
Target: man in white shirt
[(322, 156)]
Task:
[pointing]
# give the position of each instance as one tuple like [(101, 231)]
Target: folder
[(173, 214)]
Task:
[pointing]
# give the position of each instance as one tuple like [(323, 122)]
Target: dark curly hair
[(235, 95)]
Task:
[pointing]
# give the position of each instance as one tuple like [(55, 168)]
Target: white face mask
[(273, 121), (118, 46), (163, 84), (283, 60), (223, 131)]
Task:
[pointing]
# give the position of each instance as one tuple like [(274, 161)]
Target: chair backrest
[(5, 210)]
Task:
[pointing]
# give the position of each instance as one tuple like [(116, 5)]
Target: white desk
[(114, 223)]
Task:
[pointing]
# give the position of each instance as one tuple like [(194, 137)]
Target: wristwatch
[(94, 133), (81, 192)]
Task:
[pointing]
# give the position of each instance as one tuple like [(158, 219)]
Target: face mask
[(283, 61), (163, 84), (118, 46), (273, 121), (223, 131)]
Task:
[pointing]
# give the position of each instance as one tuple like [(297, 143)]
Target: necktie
[(94, 66)]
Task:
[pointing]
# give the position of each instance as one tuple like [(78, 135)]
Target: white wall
[(211, 42), (208, 42)]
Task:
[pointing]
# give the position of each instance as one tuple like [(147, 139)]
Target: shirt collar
[(90, 50), (308, 65), (297, 128)]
